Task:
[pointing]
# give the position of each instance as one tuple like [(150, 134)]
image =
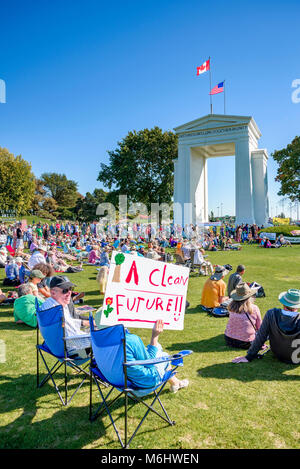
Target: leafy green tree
[(17, 183), (211, 216), (141, 167), (50, 205), (86, 207), (61, 189), (39, 197), (288, 172)]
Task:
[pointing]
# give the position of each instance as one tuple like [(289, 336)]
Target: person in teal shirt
[(24, 306), (148, 376)]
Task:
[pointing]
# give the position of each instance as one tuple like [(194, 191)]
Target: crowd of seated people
[(53, 248)]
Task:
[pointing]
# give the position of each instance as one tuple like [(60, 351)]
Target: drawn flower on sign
[(119, 259), (108, 309)]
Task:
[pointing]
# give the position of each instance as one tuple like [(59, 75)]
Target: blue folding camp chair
[(109, 365), (51, 324)]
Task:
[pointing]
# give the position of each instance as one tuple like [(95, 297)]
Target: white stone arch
[(217, 135)]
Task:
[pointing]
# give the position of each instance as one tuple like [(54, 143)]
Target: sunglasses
[(66, 290)]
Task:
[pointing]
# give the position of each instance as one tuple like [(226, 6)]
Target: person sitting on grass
[(282, 327), (11, 273), (235, 278), (213, 293), (94, 256), (3, 297), (35, 278), (21, 269), (3, 257), (38, 256), (150, 375), (244, 317), (44, 284), (104, 257), (24, 306), (283, 241)]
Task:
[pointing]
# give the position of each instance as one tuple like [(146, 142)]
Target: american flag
[(203, 68), (218, 89)]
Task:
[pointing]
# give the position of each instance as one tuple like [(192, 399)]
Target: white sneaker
[(182, 384)]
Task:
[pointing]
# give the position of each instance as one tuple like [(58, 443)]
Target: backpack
[(260, 290)]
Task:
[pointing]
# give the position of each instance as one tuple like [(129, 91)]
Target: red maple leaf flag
[(203, 68)]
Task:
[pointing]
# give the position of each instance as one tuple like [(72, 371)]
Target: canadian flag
[(203, 68)]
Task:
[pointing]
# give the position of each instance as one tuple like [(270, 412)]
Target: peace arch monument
[(218, 135)]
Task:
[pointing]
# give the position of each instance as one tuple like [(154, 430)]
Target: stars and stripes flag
[(217, 89), (204, 67)]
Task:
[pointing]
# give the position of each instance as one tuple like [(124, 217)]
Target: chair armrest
[(177, 359)]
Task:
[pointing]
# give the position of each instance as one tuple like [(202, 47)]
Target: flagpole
[(211, 106), (224, 98)]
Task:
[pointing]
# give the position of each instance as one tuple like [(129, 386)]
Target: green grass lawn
[(254, 405)]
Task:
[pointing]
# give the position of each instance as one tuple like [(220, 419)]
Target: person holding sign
[(150, 375)]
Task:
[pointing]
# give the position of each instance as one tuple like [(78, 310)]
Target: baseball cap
[(61, 282), (36, 274)]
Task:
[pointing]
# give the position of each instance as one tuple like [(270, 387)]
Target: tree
[(61, 189), (86, 207), (288, 172), (39, 197), (211, 216), (141, 167), (17, 183)]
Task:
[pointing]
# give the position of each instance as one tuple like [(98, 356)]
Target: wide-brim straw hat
[(290, 298), (242, 292)]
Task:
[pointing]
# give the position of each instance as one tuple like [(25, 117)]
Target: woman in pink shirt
[(244, 317), (93, 256)]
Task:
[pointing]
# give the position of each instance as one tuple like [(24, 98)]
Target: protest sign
[(270, 236), (140, 291), (281, 221), (294, 240)]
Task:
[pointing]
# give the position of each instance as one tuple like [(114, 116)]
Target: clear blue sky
[(81, 74)]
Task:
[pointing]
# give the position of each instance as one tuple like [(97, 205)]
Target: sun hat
[(242, 292), (19, 259), (290, 298), (220, 271), (36, 274)]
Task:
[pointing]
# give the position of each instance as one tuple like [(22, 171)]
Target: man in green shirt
[(24, 306)]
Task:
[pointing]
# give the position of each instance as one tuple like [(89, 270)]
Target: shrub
[(285, 230)]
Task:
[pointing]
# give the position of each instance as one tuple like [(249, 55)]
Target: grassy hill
[(227, 405)]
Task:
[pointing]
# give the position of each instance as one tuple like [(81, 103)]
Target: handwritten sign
[(140, 291)]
